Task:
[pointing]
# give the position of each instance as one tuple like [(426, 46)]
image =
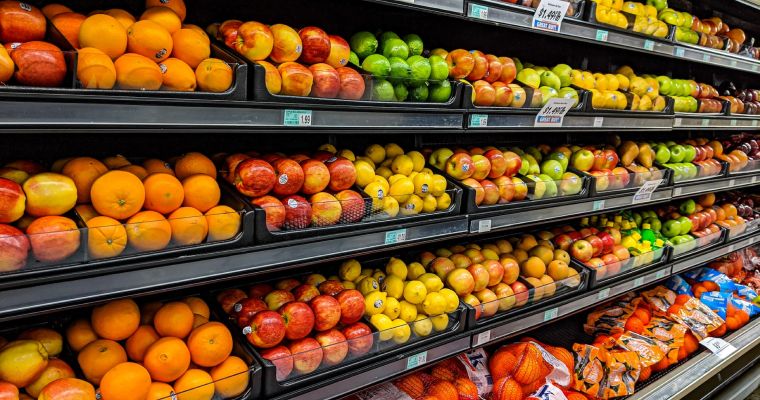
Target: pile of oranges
[(158, 351), (156, 51)]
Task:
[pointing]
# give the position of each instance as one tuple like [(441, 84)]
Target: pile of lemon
[(402, 299)]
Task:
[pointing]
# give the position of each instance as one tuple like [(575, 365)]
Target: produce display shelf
[(696, 187), (448, 6), (705, 256), (743, 386), (731, 122), (572, 122)]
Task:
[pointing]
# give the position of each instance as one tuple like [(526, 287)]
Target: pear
[(628, 152), (22, 361), (646, 155)]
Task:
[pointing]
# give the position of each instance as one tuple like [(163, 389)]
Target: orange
[(149, 39), (643, 315), (116, 162), (201, 192), (646, 372), (140, 341), (742, 316), (719, 332), (117, 194), (95, 70), (116, 320), (178, 76), (135, 170), (154, 165), (7, 66), (137, 72), (167, 359), (174, 319), (163, 193), (178, 6), (125, 18), (733, 323), (197, 29), (223, 223), (194, 163), (729, 209), (682, 299), (190, 46), (502, 364), (230, 377), (533, 267), (159, 391), (189, 226), (164, 16), (198, 306), (544, 253), (199, 320), (80, 334), (635, 325), (84, 171), (104, 33), (126, 381), (106, 237), (195, 384), (213, 75), (210, 344), (68, 23), (51, 10), (148, 231), (99, 357)]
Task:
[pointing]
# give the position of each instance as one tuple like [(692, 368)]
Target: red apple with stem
[(299, 319), (267, 329), (277, 298), (246, 309), (254, 41), (582, 250)]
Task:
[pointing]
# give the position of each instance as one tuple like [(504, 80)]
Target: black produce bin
[(633, 266), (699, 244), (591, 17), (636, 180)]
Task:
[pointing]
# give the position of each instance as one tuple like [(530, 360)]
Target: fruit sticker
[(25, 7)]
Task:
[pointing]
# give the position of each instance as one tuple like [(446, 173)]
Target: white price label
[(478, 11), (677, 191), (603, 294), (649, 45), (549, 15), (679, 52), (553, 112), (397, 236), (733, 63), (598, 205), (478, 120), (602, 35), (660, 274), (754, 68), (297, 118), (718, 346), (678, 122), (705, 122), (644, 194), (482, 337), (731, 248), (416, 360), (706, 57), (551, 314), (407, 1), (754, 123), (484, 226), (754, 179), (638, 281), (598, 122), (731, 182), (732, 122)]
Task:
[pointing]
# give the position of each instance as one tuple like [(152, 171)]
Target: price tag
[(602, 35), (679, 52), (706, 57), (549, 15), (478, 120), (718, 346), (649, 45), (638, 281), (484, 226), (731, 248), (731, 182), (397, 236), (551, 314), (754, 123), (297, 118), (598, 205), (552, 114), (733, 63), (660, 274), (733, 122), (677, 191), (603, 294), (598, 122), (478, 11), (644, 194), (482, 337), (416, 360), (754, 68), (678, 122), (705, 122), (754, 179)]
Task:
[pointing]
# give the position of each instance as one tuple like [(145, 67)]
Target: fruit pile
[(604, 164), (739, 151), (690, 96), (691, 159), (300, 325), (710, 32), (744, 101), (623, 90), (548, 83), (151, 353), (685, 224), (608, 12), (743, 202), (644, 17), (398, 182)]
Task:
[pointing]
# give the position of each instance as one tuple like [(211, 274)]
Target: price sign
[(297, 118), (598, 122), (416, 360), (602, 35), (552, 114), (679, 52), (705, 122), (478, 11), (706, 57), (551, 314), (644, 194), (731, 182), (549, 15), (397, 236), (478, 120), (659, 274), (733, 122), (638, 281), (598, 205), (678, 122), (754, 179), (677, 191), (484, 226), (718, 346), (649, 45), (603, 294), (482, 337)]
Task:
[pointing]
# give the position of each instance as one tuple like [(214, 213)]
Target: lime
[(415, 44), (439, 70), (420, 70), (354, 59), (377, 65), (400, 70), (402, 93), (440, 92), (363, 43), (382, 90), (384, 37), (419, 94), (394, 47)]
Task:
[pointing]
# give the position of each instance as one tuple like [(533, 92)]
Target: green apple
[(691, 170), (676, 153), (547, 93), (552, 168), (415, 44), (440, 92), (377, 65), (363, 43), (525, 165), (439, 70), (666, 85), (563, 71), (688, 207), (685, 224), (520, 152), (535, 153), (637, 218), (540, 69), (420, 70), (569, 93), (689, 153), (400, 70), (654, 223), (529, 77), (671, 228), (571, 184), (661, 154), (518, 64), (551, 80), (559, 157), (551, 185), (533, 166)]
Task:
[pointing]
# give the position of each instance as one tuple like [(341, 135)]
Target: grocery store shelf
[(451, 6), (733, 122), (743, 386), (703, 257), (571, 122), (714, 185)]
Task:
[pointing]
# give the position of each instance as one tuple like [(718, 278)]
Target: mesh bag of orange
[(603, 373), (647, 348), (659, 298), (698, 317), (668, 335), (529, 369), (610, 318)]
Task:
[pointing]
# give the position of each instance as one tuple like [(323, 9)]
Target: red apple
[(480, 193), (352, 205), (246, 308), (508, 70), (287, 44), (441, 266), (228, 32), (290, 177), (485, 94), (359, 337), (611, 262), (330, 287), (351, 306), (228, 298), (351, 84), (272, 157), (254, 178), (506, 189), (316, 45), (267, 329), (563, 241), (493, 73), (282, 359), (272, 78), (497, 161), (474, 303), (287, 284), (598, 264), (460, 166), (334, 346), (275, 211), (254, 41), (305, 292), (342, 173), (620, 252), (38, 64), (495, 272), (232, 161), (491, 193), (259, 290), (53, 238), (316, 176), (12, 201), (607, 242), (582, 250), (514, 163), (296, 79), (307, 355), (298, 318), (339, 52), (326, 310), (482, 167), (14, 248), (480, 67), (480, 275), (298, 212), (521, 293), (326, 81), (326, 209), (504, 94), (460, 62), (596, 244), (21, 22), (277, 298)]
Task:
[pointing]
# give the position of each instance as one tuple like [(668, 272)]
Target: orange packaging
[(605, 374), (660, 298), (669, 336), (698, 317), (646, 347), (610, 318)]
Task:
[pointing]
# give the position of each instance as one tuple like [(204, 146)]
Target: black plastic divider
[(704, 243), (627, 268), (725, 109)]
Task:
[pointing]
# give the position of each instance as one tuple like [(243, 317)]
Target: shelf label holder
[(297, 118), (549, 15), (552, 114), (416, 360), (551, 314), (602, 35), (478, 11), (484, 226), (718, 346), (603, 294), (482, 338), (397, 236), (649, 45), (478, 120)]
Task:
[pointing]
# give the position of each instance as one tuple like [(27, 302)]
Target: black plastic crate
[(636, 181), (699, 179), (591, 17), (523, 9), (527, 107), (632, 266), (698, 245), (666, 112)]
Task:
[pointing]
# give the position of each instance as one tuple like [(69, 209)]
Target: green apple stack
[(550, 83), (547, 169), (677, 157)]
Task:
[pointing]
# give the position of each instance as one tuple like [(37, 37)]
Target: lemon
[(440, 322), (392, 308), (376, 153), (365, 173), (422, 184), (612, 82), (600, 81), (429, 203), (417, 159), (392, 150), (434, 304), (402, 164), (328, 148), (427, 170), (412, 206), (443, 202), (452, 300), (385, 172), (623, 81), (438, 186), (597, 99), (384, 183), (368, 285), (394, 286), (412, 175), (383, 325), (414, 269), (407, 311), (432, 282), (390, 206), (415, 292), (367, 160), (349, 270), (348, 285), (423, 326), (367, 271), (401, 189), (395, 178), (401, 331), (380, 276), (346, 153), (359, 279), (374, 303), (377, 192), (622, 101)]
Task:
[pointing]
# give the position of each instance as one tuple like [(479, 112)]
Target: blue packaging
[(716, 301), (678, 284)]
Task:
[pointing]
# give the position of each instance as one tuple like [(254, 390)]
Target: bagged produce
[(611, 318), (660, 298), (605, 374), (646, 347), (527, 368), (697, 317), (669, 336)]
